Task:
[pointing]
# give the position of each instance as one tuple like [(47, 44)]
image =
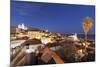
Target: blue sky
[(63, 18)]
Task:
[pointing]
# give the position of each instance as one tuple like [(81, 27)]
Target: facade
[(34, 34)]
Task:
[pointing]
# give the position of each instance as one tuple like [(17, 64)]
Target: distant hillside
[(33, 29)]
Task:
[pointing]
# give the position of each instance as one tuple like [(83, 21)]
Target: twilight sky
[(62, 18)]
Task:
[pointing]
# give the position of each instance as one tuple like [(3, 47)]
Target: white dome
[(75, 38), (22, 26)]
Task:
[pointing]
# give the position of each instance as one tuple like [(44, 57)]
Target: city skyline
[(64, 18)]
